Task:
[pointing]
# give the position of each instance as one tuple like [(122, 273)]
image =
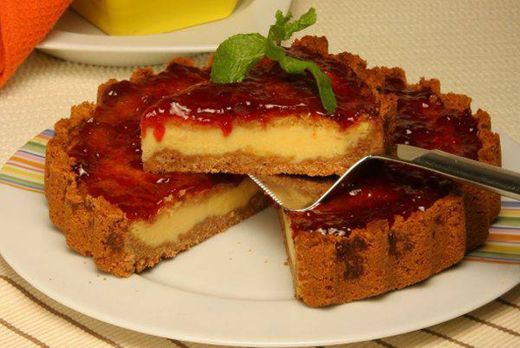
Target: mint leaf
[(297, 66), (239, 53), (283, 30), (235, 56)]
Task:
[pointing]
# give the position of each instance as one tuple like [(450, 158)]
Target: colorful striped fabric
[(25, 170), (503, 244)]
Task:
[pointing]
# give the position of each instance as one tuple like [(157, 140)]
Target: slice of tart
[(108, 207), (429, 119), (386, 229), (272, 122)]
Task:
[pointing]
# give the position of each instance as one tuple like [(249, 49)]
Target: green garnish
[(239, 53)]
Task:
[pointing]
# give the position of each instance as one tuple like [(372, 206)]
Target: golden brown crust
[(94, 227), (481, 206), (331, 269), (377, 142)]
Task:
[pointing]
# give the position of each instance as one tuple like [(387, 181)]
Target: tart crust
[(331, 269), (481, 206)]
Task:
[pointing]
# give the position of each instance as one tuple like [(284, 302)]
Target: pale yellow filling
[(289, 239), (296, 142), (174, 221)]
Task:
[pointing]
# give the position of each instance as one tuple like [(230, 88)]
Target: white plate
[(233, 289), (77, 40)]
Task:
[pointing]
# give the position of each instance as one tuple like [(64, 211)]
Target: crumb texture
[(370, 261)]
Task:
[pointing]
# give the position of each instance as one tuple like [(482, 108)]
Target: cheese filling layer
[(296, 142), (173, 221), (289, 239)]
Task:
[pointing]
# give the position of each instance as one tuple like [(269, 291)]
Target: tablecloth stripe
[(51, 320), (24, 170), (447, 338), (51, 310), (49, 327), (19, 332), (178, 343), (508, 303), (383, 343)]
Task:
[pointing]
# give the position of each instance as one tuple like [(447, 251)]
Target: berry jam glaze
[(266, 92), (108, 151), (424, 121), (377, 192)]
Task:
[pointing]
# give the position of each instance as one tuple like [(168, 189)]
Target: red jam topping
[(383, 192), (377, 192), (424, 121), (266, 92), (108, 151)]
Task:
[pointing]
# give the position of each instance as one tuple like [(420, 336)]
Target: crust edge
[(382, 258)]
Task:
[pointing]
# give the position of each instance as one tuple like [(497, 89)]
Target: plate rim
[(60, 40), (237, 343)]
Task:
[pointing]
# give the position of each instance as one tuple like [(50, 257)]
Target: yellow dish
[(140, 17)]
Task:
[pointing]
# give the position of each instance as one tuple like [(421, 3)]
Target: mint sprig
[(239, 53)]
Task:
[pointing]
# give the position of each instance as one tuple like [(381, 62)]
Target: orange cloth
[(23, 24)]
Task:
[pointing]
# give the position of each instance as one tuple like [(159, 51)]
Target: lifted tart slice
[(270, 123), (108, 207)]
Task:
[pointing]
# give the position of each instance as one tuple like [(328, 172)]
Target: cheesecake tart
[(98, 195), (272, 122), (154, 168), (392, 227)]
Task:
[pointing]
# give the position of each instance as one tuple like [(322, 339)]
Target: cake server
[(289, 195)]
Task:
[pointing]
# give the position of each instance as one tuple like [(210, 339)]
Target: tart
[(270, 123), (155, 167), (393, 227), (108, 207)]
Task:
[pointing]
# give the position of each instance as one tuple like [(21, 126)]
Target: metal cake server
[(288, 194)]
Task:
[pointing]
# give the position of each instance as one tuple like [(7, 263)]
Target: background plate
[(233, 289), (77, 40)]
